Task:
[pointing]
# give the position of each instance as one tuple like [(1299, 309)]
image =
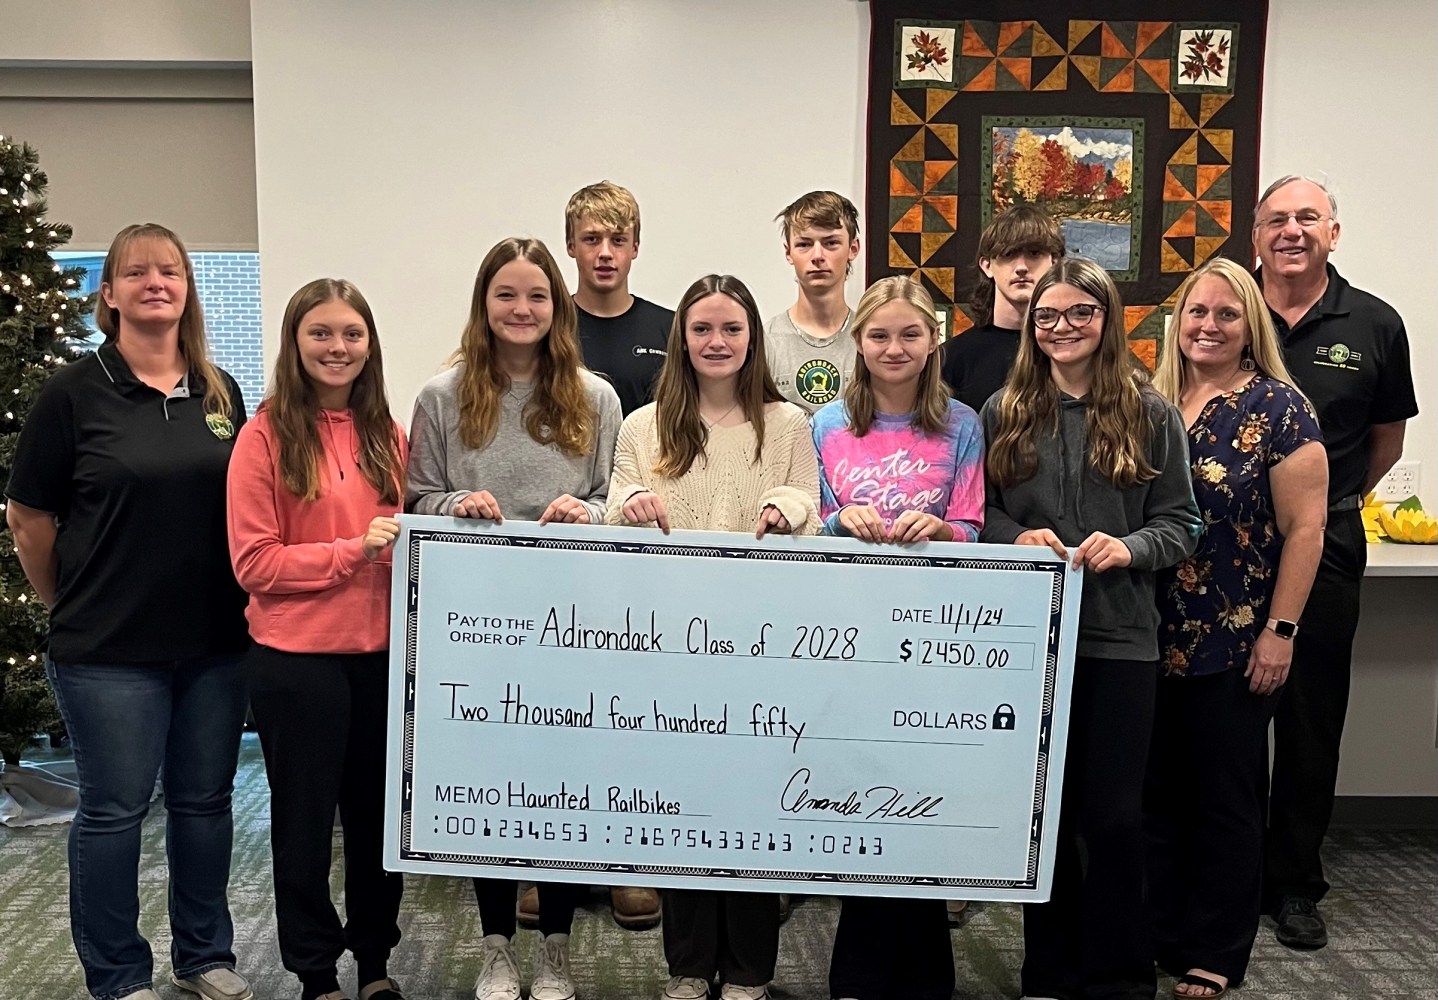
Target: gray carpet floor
[(1381, 912)]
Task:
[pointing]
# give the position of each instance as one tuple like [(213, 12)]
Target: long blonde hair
[(931, 405), (682, 434), (194, 348), (293, 407), (1171, 374), (1119, 428), (559, 412)]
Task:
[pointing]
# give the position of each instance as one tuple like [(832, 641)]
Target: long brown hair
[(559, 412), (194, 348), (931, 405), (682, 434), (1119, 429), (293, 406)]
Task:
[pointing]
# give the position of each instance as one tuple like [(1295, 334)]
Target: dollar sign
[(905, 650)]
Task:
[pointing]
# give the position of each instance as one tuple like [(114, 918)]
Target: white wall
[(1351, 90), (418, 135), (451, 123), (1342, 95), (412, 138)]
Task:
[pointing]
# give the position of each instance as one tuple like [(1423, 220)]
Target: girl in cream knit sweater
[(718, 450)]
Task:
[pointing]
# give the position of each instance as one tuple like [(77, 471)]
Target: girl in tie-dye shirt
[(899, 461)]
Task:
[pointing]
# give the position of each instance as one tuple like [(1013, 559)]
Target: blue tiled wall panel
[(229, 285)]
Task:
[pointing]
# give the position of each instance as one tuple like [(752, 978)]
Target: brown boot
[(527, 912), (634, 908)]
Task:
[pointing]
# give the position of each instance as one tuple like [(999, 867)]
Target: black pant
[(892, 949), (497, 898), (322, 724), (1308, 726), (1203, 813), (731, 935), (1091, 938)]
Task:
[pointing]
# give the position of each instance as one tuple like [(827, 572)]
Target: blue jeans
[(126, 722)]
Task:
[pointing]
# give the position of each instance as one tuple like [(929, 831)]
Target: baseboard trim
[(1391, 812)]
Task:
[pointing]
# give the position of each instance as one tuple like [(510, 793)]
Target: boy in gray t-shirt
[(808, 347), (810, 371)]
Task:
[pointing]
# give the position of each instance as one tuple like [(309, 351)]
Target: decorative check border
[(417, 539)]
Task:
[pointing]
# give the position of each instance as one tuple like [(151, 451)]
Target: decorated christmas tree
[(41, 315)]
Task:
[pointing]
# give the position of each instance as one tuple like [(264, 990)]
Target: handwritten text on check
[(704, 710)]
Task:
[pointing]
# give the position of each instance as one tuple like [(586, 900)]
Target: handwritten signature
[(880, 801)]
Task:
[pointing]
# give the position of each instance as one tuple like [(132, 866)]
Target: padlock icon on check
[(1004, 717)]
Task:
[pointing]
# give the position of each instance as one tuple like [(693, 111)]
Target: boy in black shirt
[(622, 336), (1015, 250)]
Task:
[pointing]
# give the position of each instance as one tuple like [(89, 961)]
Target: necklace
[(711, 424), (848, 314)]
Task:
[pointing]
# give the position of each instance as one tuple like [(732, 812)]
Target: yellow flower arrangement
[(1372, 507), (1409, 523)]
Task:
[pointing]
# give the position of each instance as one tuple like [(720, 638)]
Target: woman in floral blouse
[(1229, 613)]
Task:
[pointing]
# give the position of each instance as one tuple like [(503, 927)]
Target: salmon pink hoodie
[(302, 561)]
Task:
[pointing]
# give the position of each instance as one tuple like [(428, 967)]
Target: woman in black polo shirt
[(117, 503)]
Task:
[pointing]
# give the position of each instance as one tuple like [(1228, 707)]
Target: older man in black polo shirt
[(1349, 352)]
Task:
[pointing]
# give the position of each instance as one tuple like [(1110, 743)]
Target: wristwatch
[(1282, 628)]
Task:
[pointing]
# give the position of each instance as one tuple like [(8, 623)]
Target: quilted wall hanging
[(1134, 124)]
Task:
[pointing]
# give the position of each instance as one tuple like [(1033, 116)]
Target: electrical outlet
[(1400, 483)]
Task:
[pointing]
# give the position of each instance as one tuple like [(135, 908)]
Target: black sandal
[(1189, 979)]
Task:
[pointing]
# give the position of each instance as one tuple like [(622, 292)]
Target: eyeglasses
[(1079, 314), (1306, 219)]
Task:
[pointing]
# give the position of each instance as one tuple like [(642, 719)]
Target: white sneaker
[(498, 971), (732, 992), (686, 988), (552, 980)]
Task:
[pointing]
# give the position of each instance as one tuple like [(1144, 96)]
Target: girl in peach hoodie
[(314, 484)]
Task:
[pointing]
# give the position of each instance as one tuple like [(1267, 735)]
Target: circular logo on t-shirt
[(817, 381), (1338, 353)]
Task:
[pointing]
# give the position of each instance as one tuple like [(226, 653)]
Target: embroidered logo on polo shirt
[(220, 426), (640, 351), (818, 381), (1337, 356)]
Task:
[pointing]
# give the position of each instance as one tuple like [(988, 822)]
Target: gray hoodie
[(1158, 520)]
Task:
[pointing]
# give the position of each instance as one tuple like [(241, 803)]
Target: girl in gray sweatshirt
[(1084, 457), (517, 427)]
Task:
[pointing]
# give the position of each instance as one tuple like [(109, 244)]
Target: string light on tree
[(39, 321)]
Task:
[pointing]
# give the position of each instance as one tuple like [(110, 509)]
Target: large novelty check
[(820, 715)]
